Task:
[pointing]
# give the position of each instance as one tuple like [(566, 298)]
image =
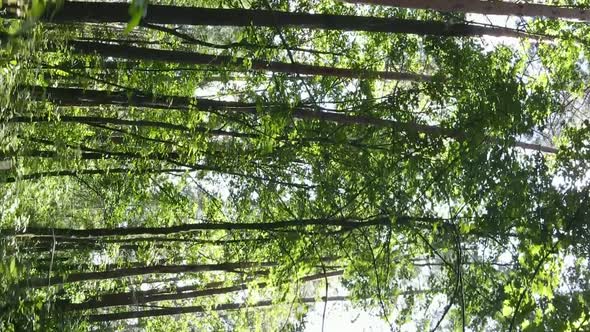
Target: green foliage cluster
[(144, 189)]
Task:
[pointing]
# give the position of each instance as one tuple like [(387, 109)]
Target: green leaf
[(137, 11), (12, 269), (37, 8)]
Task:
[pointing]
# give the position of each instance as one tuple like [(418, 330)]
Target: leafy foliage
[(161, 193)]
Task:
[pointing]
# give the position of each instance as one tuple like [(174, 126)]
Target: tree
[(176, 311), (148, 165), (489, 8), (105, 12), (186, 292)]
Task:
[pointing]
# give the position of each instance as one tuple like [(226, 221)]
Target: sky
[(342, 317)]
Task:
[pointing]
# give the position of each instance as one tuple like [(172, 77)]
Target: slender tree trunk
[(138, 231), (47, 246), (82, 97), (127, 243), (83, 119), (133, 298), (93, 155), (137, 271), (39, 175), (192, 58), (106, 12), (66, 97), (100, 155), (489, 7), (187, 167), (79, 97), (186, 38), (196, 309)]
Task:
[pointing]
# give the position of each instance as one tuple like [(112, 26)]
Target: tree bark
[(117, 12), (93, 155), (128, 243), (86, 119), (489, 7), (46, 246), (195, 309), (193, 58), (94, 98), (86, 97), (79, 97), (139, 297), (138, 231), (137, 271), (98, 156), (39, 175)]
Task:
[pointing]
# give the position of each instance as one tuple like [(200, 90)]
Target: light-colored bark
[(487, 8)]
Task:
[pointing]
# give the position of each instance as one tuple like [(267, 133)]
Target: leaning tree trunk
[(130, 156), (66, 173), (490, 7), (90, 119), (196, 309), (137, 271), (192, 58), (42, 243), (229, 226), (139, 297), (106, 12), (78, 97)]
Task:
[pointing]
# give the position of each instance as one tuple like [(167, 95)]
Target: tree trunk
[(138, 231), (83, 119), (192, 58), (98, 155), (86, 98), (195, 309), (135, 298), (117, 12), (489, 7), (170, 157), (139, 297), (79, 97), (46, 246), (137, 271), (39, 175), (127, 243), (130, 155)]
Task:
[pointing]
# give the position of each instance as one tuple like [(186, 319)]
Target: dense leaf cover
[(203, 165)]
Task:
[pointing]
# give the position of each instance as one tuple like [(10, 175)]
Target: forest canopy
[(200, 165)]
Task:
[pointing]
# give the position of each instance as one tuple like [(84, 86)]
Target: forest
[(293, 165)]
